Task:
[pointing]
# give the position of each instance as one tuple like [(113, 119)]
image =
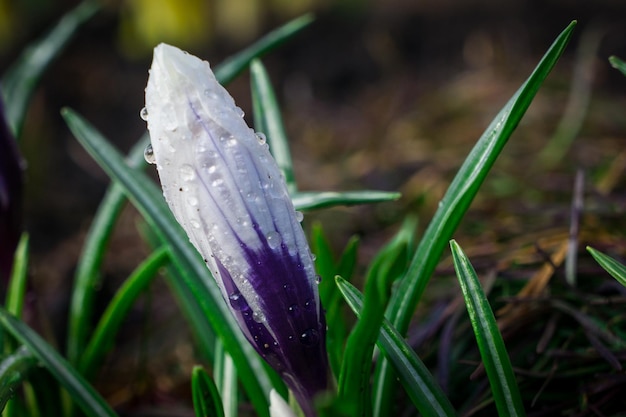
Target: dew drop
[(313, 257), (318, 279), (309, 337), (293, 309), (187, 172), (258, 317), (193, 201), (299, 216), (239, 111), (273, 239), (148, 154), (144, 114), (194, 223), (237, 301), (261, 137), (308, 304)]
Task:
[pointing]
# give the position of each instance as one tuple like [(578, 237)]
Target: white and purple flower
[(227, 192)]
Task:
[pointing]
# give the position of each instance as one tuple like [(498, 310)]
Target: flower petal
[(227, 192)]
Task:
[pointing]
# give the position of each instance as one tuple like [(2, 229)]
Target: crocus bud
[(227, 192), (10, 197)]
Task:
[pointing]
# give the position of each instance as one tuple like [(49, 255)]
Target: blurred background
[(376, 94)]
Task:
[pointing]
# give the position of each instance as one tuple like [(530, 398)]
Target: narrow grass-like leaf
[(267, 119), (20, 80), (321, 199), (232, 66), (14, 368), (16, 290), (492, 350), (79, 389), (206, 399), (453, 206), (256, 378), (618, 64), (389, 264), (225, 376), (17, 286), (326, 268), (610, 265), (106, 330), (417, 381), (90, 261)]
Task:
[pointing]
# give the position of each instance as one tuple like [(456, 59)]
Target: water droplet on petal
[(144, 114), (261, 137), (273, 239), (187, 172), (299, 216), (309, 337), (237, 301), (258, 317), (293, 309), (148, 154), (318, 279), (194, 223), (239, 111)]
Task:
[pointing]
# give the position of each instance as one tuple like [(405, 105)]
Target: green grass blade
[(455, 203), (326, 268), (322, 199), (16, 290), (90, 261), (17, 285), (225, 376), (610, 265), (104, 334), (234, 65), (618, 64), (417, 381), (256, 378), (14, 369), (389, 264), (79, 389), (492, 350), (267, 119), (206, 399), (20, 80)]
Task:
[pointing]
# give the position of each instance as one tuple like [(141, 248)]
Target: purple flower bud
[(227, 192), (10, 197)]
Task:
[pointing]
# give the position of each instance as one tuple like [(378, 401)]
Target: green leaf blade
[(206, 398), (490, 343), (267, 119), (418, 382), (311, 200), (610, 265), (231, 67), (618, 64), (79, 389), (117, 310), (19, 82)]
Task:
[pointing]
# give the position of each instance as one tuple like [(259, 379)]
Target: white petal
[(279, 407)]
